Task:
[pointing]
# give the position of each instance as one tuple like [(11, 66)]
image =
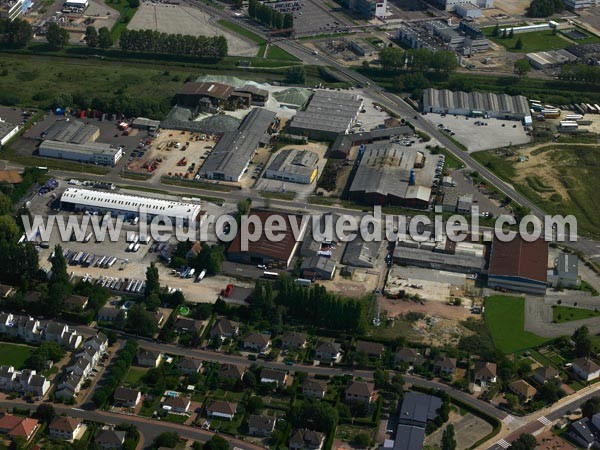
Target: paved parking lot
[(313, 18), (496, 134), (465, 186)]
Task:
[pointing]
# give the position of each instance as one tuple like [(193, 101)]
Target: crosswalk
[(502, 443), (544, 421)]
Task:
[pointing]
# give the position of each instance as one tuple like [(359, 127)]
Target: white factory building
[(450, 5), (7, 131), (76, 199), (89, 152)]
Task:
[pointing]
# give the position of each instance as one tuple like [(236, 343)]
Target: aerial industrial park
[(345, 224)]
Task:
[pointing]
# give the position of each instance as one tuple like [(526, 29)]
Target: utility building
[(295, 166), (89, 152)]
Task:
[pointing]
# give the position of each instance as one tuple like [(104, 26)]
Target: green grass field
[(134, 375), (536, 41), (505, 318), (126, 14), (574, 167), (14, 354), (562, 314)]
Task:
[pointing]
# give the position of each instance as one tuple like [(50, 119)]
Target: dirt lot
[(468, 429), (362, 282), (398, 307), (548, 441), (177, 19)]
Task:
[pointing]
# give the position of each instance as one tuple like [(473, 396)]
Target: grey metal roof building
[(73, 131), (328, 114), (360, 253), (146, 124), (89, 152), (234, 151), (550, 59), (7, 131), (296, 166), (502, 106), (318, 267)]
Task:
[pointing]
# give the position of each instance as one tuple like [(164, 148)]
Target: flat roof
[(86, 148), (409, 437), (132, 203), (519, 258), (294, 162), (145, 122), (281, 250), (6, 128), (235, 149), (328, 111), (419, 408)]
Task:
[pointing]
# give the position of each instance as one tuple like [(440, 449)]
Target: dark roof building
[(373, 349), (306, 440), (192, 93), (318, 267), (264, 251), (73, 131), (519, 265)]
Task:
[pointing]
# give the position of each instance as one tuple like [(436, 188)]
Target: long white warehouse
[(89, 152), (76, 199)]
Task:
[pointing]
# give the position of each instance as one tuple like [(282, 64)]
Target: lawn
[(126, 14), (536, 41), (571, 168), (134, 375), (505, 318), (562, 314), (14, 354)]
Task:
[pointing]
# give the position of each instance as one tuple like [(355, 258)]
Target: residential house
[(231, 372), (69, 387), (8, 422), (127, 397), (108, 314), (177, 404), (371, 349), (110, 439), (76, 302), (89, 355), (329, 352), (485, 373), (293, 341), (185, 325), (64, 427), (585, 432), (359, 392), (258, 342), (25, 429), (148, 358), (99, 343), (410, 356), (26, 381), (305, 439), (445, 365), (312, 388), (217, 409), (261, 426), (189, 365), (586, 369), (278, 377), (80, 368), (545, 373), (225, 329), (37, 385), (523, 390)]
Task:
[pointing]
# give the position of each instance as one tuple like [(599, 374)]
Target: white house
[(221, 410), (67, 428), (586, 369)]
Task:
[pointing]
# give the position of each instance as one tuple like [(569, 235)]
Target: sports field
[(505, 318)]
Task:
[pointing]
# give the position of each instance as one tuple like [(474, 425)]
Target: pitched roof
[(215, 90), (24, 428), (519, 258), (225, 326), (360, 389), (63, 423), (190, 363), (445, 361), (329, 347), (272, 374), (144, 353), (177, 402), (485, 369), (370, 348), (231, 371), (76, 301), (546, 372), (110, 436), (8, 422), (587, 365), (126, 394), (419, 408), (523, 388), (257, 339), (306, 437), (218, 406), (294, 338), (261, 422), (312, 384)]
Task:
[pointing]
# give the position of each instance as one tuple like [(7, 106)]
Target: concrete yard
[(496, 134), (436, 285), (177, 19), (468, 429)]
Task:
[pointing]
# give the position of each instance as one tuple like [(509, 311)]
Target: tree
[(133, 3), (166, 439), (252, 8), (550, 392), (8, 228), (152, 281), (591, 407), (57, 36), (295, 75), (448, 441), (524, 442), (140, 321), (45, 412), (104, 38), (91, 36), (522, 67), (362, 440), (519, 44), (318, 416), (254, 404), (18, 33), (392, 58), (444, 62), (496, 30), (583, 343), (511, 33), (216, 443)]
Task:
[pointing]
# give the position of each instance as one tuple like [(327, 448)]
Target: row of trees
[(545, 8), (15, 34), (98, 38), (116, 372), (419, 60), (269, 16), (173, 44), (57, 36), (580, 72)]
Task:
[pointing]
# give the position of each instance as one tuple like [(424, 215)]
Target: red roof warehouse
[(519, 265)]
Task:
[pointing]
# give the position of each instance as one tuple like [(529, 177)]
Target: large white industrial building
[(89, 152), (296, 166), (76, 199), (7, 131)]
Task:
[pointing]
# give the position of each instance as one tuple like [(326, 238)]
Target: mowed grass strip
[(14, 354), (505, 318), (535, 41), (562, 314)]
